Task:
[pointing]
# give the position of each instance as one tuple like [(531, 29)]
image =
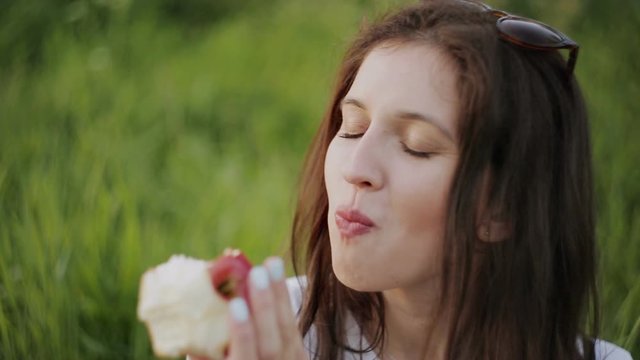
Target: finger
[(242, 336), (265, 318), (289, 332)]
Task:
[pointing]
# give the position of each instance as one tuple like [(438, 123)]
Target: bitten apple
[(184, 303), (229, 274)]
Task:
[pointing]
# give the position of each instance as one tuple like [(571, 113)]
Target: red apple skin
[(230, 274)]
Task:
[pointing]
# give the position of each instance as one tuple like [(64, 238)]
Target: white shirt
[(604, 350)]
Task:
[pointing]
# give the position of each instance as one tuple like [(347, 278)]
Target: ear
[(491, 226)]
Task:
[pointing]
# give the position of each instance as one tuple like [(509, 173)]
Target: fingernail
[(259, 277), (239, 310), (276, 268)]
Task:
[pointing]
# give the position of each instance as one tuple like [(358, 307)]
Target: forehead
[(408, 78)]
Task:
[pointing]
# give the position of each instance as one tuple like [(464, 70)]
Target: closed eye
[(350, 136), (420, 154)]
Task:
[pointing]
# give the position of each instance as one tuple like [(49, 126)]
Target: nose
[(363, 168)]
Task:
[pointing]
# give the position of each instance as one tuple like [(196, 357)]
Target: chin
[(354, 284), (351, 268), (356, 279)]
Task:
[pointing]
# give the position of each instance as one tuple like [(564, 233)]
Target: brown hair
[(525, 123)]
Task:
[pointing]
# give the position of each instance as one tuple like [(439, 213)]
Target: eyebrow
[(406, 115)]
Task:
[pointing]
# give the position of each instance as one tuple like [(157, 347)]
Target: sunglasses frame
[(564, 43)]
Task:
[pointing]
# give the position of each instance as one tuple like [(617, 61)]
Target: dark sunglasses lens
[(530, 32)]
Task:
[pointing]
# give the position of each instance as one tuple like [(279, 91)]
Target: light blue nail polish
[(259, 277), (239, 309), (276, 269)]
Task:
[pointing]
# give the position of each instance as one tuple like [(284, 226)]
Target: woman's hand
[(269, 331)]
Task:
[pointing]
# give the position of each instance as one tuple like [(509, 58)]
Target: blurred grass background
[(132, 130)]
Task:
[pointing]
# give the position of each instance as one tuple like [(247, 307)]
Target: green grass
[(122, 146)]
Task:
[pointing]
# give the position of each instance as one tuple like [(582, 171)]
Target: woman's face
[(389, 169)]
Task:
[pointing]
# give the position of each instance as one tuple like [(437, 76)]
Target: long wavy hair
[(531, 295)]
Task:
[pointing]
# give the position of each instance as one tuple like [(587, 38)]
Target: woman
[(446, 208)]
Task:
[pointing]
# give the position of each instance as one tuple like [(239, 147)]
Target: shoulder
[(607, 351), (296, 287)]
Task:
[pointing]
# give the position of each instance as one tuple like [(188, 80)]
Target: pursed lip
[(352, 222)]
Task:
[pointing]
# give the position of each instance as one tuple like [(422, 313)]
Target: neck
[(415, 326)]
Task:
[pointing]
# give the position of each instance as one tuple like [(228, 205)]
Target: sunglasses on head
[(530, 33)]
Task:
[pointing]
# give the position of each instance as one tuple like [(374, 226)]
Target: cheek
[(332, 170), (419, 205), (421, 199)]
